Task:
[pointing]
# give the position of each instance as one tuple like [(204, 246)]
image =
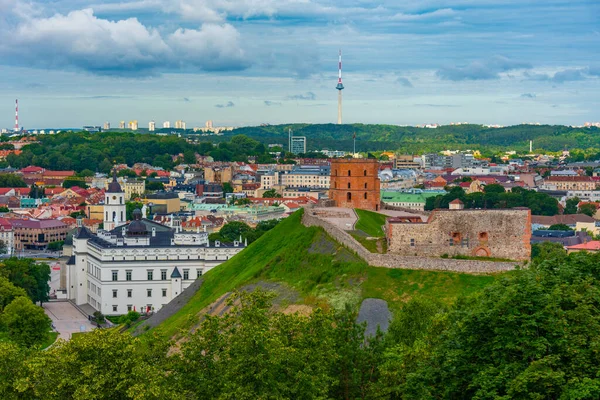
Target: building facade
[(355, 183), (33, 234), (298, 145), (139, 266), (473, 232)]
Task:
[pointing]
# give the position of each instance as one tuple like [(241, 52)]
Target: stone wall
[(502, 233), (385, 206), (405, 262)]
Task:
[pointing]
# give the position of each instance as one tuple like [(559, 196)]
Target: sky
[(247, 62)]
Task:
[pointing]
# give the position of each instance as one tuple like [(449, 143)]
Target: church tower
[(114, 205)]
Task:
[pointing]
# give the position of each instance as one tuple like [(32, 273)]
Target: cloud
[(436, 105), (404, 81), (481, 69), (305, 96), (528, 96), (226, 105), (81, 40), (566, 75), (270, 103), (440, 13)]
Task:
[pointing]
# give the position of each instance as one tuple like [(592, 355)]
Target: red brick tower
[(355, 183)]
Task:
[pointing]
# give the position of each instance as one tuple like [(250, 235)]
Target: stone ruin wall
[(405, 262), (487, 233)]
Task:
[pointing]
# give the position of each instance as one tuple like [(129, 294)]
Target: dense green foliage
[(531, 334), (235, 230), (11, 180), (26, 273), (539, 203), (412, 140), (26, 324), (559, 227)]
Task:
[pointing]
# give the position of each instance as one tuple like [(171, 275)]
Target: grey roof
[(175, 273), (114, 186), (163, 195), (84, 233), (71, 260)]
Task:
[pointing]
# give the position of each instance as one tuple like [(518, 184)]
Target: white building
[(140, 265), (151, 126), (166, 125), (7, 235)]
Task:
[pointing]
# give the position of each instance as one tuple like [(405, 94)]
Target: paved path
[(67, 319), (343, 218)]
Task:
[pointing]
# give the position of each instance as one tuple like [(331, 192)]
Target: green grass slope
[(370, 222), (322, 272)]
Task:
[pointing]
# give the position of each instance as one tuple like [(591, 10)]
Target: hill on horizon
[(375, 137), (308, 268)]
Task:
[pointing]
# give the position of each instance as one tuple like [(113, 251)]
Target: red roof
[(464, 184), (456, 201), (32, 170), (4, 191), (593, 245)]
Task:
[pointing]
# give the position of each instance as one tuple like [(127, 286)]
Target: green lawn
[(52, 336), (370, 222), (321, 271)]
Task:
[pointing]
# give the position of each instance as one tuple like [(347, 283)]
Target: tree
[(571, 205), (27, 324), (36, 192), (70, 182), (560, 227), (4, 209), (9, 292), (233, 230), (29, 275), (130, 206), (588, 209), (189, 157), (154, 186), (127, 173), (493, 188), (270, 194), (12, 181), (86, 173), (56, 246), (227, 188)]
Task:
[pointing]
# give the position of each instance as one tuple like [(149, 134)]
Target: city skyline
[(75, 63)]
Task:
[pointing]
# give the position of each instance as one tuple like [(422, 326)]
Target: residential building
[(308, 176), (37, 234), (569, 183), (7, 235), (163, 202), (166, 125), (151, 126), (406, 162), (412, 200), (592, 246)]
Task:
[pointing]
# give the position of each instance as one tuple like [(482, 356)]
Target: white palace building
[(140, 265)]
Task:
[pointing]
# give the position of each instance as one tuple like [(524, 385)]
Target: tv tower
[(340, 87), (17, 115)]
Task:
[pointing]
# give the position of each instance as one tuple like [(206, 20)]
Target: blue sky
[(246, 62)]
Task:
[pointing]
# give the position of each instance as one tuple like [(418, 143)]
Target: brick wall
[(405, 262), (355, 183)]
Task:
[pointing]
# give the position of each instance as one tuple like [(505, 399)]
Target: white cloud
[(81, 40)]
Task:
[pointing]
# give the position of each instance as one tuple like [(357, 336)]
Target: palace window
[(128, 275), (114, 308), (115, 293), (198, 273), (129, 307), (163, 274), (129, 292), (150, 274), (186, 274), (115, 275), (148, 292), (164, 293)]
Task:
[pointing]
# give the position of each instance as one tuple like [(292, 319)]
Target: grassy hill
[(321, 272)]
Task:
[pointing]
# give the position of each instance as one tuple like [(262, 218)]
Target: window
[(114, 293), (365, 196), (129, 292), (412, 242), (115, 275), (114, 308), (129, 307), (163, 274), (365, 185), (349, 196), (348, 172), (128, 275), (149, 292), (365, 172), (150, 274), (483, 236), (186, 274), (164, 293), (198, 273), (348, 185)]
